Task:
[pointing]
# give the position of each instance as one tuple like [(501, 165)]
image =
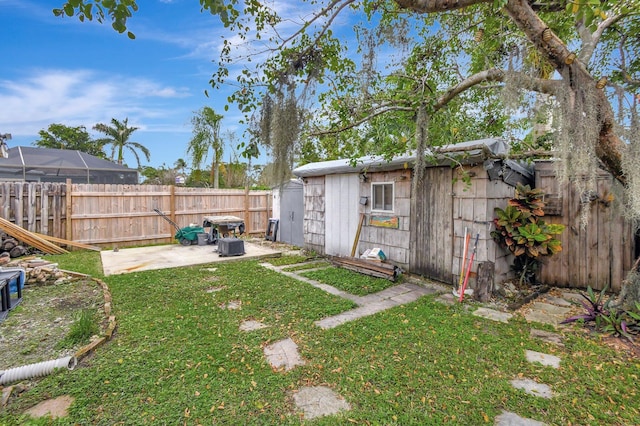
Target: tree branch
[(590, 40), (491, 75)]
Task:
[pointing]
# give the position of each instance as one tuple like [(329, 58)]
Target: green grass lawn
[(349, 281), (178, 358)]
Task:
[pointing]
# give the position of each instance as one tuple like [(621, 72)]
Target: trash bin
[(203, 239)]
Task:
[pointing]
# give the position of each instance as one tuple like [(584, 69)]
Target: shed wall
[(394, 242), (314, 208), (473, 209)]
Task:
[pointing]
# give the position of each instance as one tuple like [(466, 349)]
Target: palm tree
[(181, 165), (206, 134), (118, 137)]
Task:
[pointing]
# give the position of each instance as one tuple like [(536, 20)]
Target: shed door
[(341, 213), (292, 215), (432, 225)]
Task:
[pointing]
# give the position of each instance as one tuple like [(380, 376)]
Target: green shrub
[(521, 229)]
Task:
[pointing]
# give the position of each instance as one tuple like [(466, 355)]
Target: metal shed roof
[(472, 151)]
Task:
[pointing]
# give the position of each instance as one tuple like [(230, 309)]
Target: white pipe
[(39, 369)]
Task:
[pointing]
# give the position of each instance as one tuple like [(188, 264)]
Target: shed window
[(382, 196)]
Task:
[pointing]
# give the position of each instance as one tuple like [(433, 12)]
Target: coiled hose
[(39, 369)]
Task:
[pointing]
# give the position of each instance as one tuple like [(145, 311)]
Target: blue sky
[(59, 70)]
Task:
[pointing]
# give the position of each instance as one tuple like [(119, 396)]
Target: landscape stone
[(551, 309), (446, 299), (54, 408), (557, 301), (283, 354), (251, 325), (512, 419), (571, 296), (232, 305), (533, 388), (546, 313), (544, 359), (319, 401), (547, 336), (492, 314)]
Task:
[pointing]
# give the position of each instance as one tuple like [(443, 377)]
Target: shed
[(33, 164), (288, 209), (424, 234)]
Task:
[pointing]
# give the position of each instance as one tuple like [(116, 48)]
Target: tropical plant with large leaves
[(118, 135), (521, 229)]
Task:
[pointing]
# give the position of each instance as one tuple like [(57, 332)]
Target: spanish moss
[(579, 124)]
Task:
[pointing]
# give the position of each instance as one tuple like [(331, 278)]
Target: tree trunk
[(484, 282)]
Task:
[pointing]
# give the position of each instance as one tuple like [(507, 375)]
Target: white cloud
[(78, 97)]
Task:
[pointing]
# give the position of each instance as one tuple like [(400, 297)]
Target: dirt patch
[(34, 330)]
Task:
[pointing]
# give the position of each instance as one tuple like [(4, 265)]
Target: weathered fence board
[(100, 214), (598, 253)]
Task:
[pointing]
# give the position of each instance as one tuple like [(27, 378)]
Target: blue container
[(15, 277)]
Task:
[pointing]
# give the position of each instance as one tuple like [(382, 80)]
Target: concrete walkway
[(367, 305)]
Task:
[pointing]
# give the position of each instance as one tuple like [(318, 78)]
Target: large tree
[(316, 52), (206, 136), (60, 136), (118, 135)]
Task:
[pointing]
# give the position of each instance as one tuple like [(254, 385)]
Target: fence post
[(18, 202), (172, 202), (69, 212), (247, 222)]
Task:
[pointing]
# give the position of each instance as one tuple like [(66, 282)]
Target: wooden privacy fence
[(597, 254), (107, 215)]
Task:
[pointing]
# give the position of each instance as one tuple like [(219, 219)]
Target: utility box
[(230, 247), (203, 239)]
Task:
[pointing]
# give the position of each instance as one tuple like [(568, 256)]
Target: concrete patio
[(128, 260)]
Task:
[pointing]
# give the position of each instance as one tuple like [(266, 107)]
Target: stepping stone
[(544, 359), (447, 299), (319, 401), (573, 297), (546, 313), (533, 388), (232, 305), (214, 289), (251, 325), (508, 418), (54, 408), (557, 301), (547, 336), (492, 314), (283, 354)]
